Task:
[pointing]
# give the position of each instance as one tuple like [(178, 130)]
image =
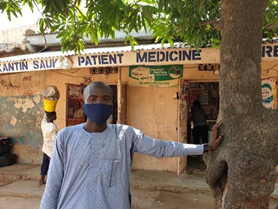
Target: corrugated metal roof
[(33, 56), (89, 51), (38, 33)]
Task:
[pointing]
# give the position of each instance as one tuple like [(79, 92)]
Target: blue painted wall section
[(20, 119)]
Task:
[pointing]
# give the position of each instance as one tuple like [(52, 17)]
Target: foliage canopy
[(194, 22)]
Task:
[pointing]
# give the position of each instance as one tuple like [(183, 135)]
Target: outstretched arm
[(159, 148)]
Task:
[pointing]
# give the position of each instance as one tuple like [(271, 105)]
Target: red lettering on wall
[(28, 93), (27, 78)]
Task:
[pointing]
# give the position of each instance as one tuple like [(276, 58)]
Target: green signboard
[(155, 76)]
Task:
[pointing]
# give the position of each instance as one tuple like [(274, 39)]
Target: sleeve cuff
[(193, 149)]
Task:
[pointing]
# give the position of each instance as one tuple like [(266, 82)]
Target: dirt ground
[(140, 200), (168, 200)]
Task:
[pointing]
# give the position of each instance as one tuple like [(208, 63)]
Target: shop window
[(74, 105)]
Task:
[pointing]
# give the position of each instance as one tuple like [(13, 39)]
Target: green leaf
[(170, 41), (41, 25)]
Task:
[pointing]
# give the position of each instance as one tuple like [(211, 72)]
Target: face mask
[(97, 113)]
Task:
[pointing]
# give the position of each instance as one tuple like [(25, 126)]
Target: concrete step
[(13, 177), (9, 174), (140, 179), (22, 189), (16, 203), (27, 194)]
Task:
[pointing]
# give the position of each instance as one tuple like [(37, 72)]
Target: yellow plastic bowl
[(49, 105)]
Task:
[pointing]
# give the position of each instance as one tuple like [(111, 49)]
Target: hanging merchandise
[(207, 94)]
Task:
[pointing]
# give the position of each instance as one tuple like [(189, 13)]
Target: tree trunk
[(241, 173)]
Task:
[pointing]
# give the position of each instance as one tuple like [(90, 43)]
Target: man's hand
[(214, 139)]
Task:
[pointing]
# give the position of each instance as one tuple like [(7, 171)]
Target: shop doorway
[(207, 93), (114, 116), (74, 102)]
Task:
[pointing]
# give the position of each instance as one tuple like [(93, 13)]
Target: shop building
[(153, 87)]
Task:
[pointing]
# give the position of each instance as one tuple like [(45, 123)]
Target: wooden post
[(119, 95)]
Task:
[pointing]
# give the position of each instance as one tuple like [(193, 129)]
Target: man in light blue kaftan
[(90, 168)]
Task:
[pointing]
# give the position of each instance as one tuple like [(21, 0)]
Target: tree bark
[(241, 173)]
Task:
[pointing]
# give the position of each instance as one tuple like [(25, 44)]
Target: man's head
[(51, 116), (98, 92), (196, 103), (98, 103)]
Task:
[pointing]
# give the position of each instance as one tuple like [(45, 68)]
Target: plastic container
[(49, 105)]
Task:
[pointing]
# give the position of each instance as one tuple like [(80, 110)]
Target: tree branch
[(272, 26), (216, 24)]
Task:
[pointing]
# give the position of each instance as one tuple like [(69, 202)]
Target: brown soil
[(168, 200)]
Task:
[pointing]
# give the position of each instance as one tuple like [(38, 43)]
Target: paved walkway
[(145, 180)]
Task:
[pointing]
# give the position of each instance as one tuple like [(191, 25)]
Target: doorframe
[(121, 99), (182, 122)]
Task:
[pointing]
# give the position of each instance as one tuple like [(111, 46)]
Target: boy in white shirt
[(49, 132)]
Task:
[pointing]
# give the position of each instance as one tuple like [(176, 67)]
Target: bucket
[(49, 105)]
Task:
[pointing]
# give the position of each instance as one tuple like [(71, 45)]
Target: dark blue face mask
[(98, 113)]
